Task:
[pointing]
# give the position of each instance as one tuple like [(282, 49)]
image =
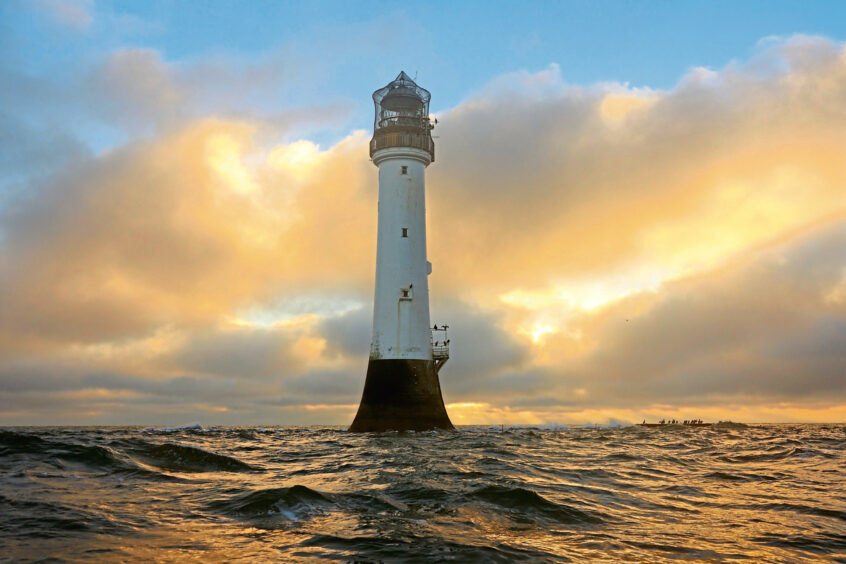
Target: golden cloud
[(578, 229)]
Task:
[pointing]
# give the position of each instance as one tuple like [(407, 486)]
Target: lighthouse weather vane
[(402, 390)]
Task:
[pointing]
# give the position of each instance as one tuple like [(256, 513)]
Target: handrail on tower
[(440, 345)]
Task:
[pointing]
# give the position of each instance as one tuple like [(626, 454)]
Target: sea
[(725, 493)]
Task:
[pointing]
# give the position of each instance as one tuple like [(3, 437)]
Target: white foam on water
[(189, 427), (551, 427), (288, 514)]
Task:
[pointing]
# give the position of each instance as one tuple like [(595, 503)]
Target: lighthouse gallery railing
[(440, 348), (416, 139)]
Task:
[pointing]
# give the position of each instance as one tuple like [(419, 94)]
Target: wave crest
[(183, 458), (528, 501), (291, 503)]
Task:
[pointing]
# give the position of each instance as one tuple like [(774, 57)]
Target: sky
[(637, 211)]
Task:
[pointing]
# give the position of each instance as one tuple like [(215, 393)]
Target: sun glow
[(473, 413), (297, 158), (538, 331), (224, 154), (581, 296)]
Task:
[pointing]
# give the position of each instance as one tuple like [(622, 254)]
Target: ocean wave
[(291, 503), (835, 514), (740, 476), (12, 442), (766, 456), (526, 501), (820, 543), (59, 453), (41, 519), (175, 457), (195, 427), (414, 548), (729, 425), (126, 457)]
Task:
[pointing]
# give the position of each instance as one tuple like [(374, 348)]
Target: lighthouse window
[(404, 170), (405, 231)]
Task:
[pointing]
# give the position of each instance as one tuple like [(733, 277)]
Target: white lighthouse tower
[(402, 390)]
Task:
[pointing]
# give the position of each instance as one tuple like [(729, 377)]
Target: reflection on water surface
[(768, 492)]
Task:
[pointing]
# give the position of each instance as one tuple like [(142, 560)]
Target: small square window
[(404, 170), (405, 231)]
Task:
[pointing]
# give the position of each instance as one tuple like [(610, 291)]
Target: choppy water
[(763, 493)]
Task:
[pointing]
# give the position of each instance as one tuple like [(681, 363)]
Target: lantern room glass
[(401, 104)]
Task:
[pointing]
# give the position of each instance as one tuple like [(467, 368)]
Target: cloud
[(599, 251), (74, 14), (760, 329), (179, 231), (685, 179), (134, 88), (137, 90), (115, 98), (482, 352), (31, 150)]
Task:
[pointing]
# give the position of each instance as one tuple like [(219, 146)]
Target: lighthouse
[(402, 390)]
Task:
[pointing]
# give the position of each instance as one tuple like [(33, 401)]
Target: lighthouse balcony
[(399, 136), (440, 352), (440, 346)]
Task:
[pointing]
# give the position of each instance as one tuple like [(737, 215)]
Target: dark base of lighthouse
[(401, 395)]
